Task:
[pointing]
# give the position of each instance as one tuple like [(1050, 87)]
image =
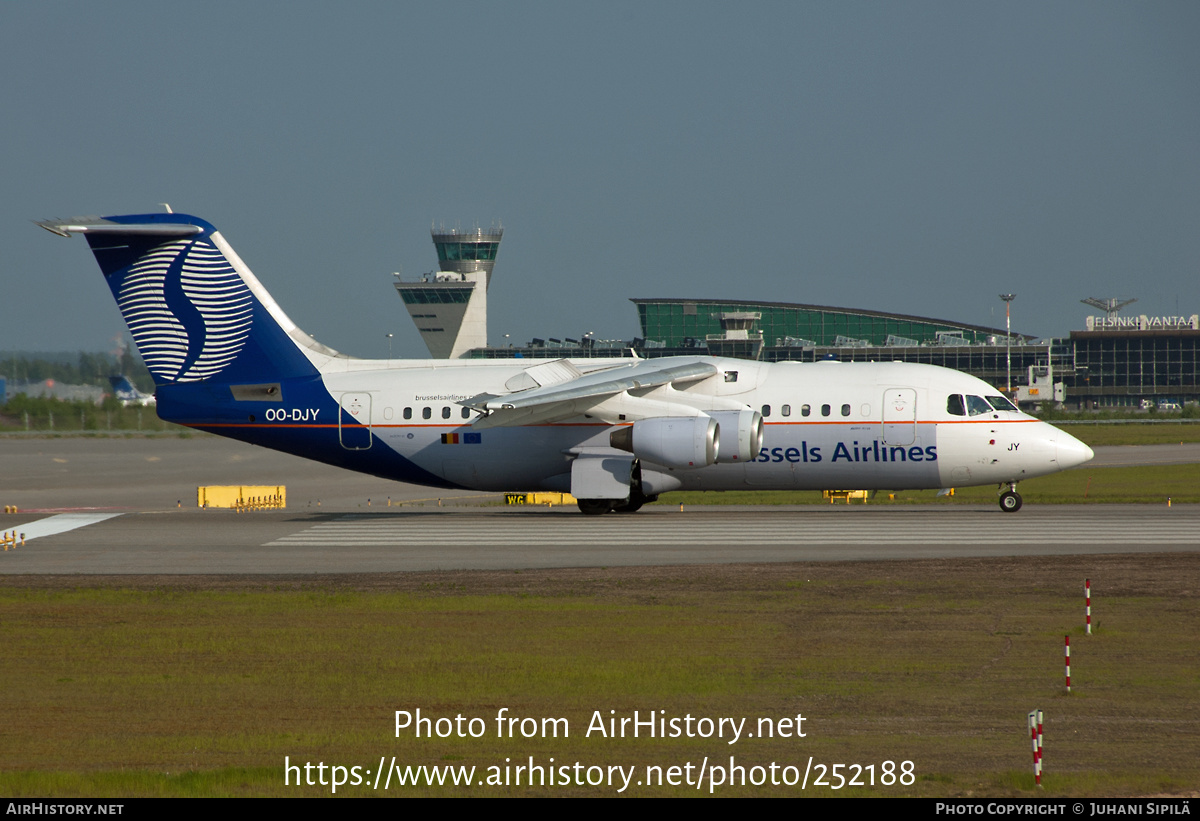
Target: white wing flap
[(575, 396), (543, 375)]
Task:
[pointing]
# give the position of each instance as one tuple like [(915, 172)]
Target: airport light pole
[(1008, 298), (389, 339)]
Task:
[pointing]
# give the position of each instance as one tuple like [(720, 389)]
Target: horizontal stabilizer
[(98, 225)]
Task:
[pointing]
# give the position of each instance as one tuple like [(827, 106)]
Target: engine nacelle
[(677, 441), (741, 434)]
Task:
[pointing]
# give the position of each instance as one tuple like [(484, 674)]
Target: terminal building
[(1132, 361), (808, 333), (1136, 362), (1115, 361)]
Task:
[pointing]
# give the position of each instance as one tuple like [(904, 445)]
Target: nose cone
[(1072, 452)]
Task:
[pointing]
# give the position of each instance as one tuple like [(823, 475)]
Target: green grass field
[(1133, 433), (1116, 485), (171, 689)]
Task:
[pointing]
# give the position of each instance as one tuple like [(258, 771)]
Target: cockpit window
[(954, 405), (1000, 403), (977, 406)]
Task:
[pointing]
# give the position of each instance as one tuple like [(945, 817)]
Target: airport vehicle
[(128, 395), (615, 433)]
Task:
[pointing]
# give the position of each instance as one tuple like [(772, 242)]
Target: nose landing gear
[(1010, 500)]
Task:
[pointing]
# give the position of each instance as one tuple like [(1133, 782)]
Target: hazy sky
[(918, 157)]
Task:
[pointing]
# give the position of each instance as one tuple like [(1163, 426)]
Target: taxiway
[(128, 506)]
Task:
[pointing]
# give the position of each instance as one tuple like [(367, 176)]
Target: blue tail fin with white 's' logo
[(224, 356), (195, 310)]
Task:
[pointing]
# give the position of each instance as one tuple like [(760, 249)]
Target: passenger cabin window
[(466, 413), (805, 410), (446, 412), (845, 410), (1002, 404), (824, 410), (954, 405), (426, 413), (408, 413), (786, 410), (766, 411), (977, 405)]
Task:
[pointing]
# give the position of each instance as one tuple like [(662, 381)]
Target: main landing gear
[(1010, 500), (596, 507)]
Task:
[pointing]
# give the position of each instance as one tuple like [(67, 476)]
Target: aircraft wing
[(575, 396)]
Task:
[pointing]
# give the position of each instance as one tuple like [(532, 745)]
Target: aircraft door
[(899, 416), (354, 421)]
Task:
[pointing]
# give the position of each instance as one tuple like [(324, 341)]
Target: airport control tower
[(449, 306)]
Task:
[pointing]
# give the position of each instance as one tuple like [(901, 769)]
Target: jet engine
[(741, 434), (678, 442)]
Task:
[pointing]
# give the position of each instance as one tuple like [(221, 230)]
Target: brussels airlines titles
[(854, 452)]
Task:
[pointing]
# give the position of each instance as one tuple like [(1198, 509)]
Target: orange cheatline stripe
[(298, 425), (352, 426), (907, 422), (596, 424)]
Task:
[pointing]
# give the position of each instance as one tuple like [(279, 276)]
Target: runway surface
[(278, 542), (131, 506)]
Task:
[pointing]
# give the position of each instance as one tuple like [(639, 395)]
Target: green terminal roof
[(671, 321)]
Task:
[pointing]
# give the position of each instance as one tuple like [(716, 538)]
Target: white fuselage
[(826, 425)]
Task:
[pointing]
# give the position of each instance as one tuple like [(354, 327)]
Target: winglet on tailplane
[(195, 310)]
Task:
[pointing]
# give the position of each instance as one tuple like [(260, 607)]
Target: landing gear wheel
[(594, 507), (1010, 501), (632, 506)]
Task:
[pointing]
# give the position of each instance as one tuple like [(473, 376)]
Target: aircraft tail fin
[(127, 394), (195, 310), (122, 387)]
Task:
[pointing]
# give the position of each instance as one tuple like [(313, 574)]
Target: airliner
[(615, 433), (128, 395)]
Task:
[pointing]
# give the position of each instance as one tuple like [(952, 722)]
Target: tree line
[(84, 369)]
